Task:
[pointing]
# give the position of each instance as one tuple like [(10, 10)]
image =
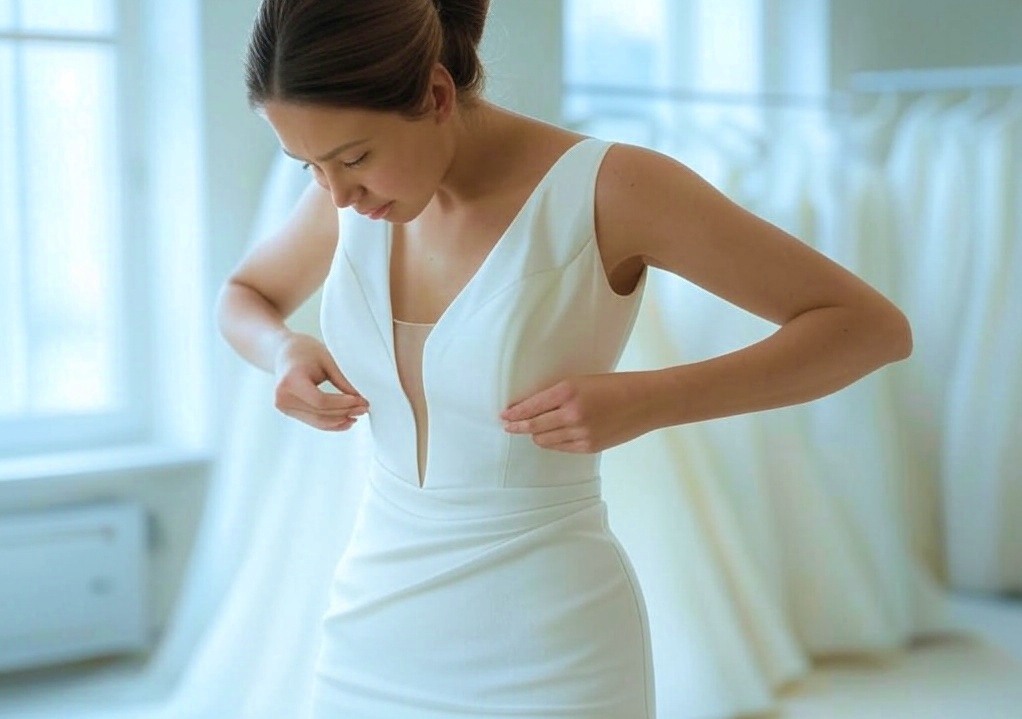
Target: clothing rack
[(935, 80), (768, 99), (863, 83)]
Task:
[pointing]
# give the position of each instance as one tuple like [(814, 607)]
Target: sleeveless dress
[(483, 580)]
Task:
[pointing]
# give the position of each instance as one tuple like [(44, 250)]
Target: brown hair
[(367, 54)]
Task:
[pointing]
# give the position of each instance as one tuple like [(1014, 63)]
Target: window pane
[(729, 45), (686, 47), (89, 16), (71, 226), (6, 14), (12, 338), (613, 42)]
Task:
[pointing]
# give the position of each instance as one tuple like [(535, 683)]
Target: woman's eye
[(356, 163)]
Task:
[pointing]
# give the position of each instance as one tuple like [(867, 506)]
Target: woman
[(481, 272)]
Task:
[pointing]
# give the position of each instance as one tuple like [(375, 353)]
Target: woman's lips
[(379, 212)]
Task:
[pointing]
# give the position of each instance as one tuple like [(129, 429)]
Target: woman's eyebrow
[(332, 154)]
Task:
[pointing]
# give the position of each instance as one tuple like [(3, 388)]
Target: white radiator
[(72, 584)]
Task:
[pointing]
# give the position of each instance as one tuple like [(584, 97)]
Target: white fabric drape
[(761, 541), (980, 417), (791, 524), (952, 172)]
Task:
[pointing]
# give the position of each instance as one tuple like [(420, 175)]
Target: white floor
[(978, 677), (955, 678)]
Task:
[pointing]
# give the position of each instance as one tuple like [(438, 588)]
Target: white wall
[(239, 147), (522, 48), (873, 35)]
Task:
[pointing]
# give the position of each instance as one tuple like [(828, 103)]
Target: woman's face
[(381, 163)]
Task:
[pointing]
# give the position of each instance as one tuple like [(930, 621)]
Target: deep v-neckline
[(422, 473), (487, 260)]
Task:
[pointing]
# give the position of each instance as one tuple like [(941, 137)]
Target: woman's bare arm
[(276, 277), (835, 328)]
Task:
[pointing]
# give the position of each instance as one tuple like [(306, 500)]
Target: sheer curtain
[(244, 634)]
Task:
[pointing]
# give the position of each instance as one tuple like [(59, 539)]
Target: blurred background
[(167, 539)]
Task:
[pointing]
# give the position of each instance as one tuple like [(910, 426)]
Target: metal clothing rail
[(863, 83), (937, 79), (768, 99)]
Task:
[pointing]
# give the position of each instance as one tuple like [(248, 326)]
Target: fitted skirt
[(483, 602)]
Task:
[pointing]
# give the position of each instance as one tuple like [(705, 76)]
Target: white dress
[(982, 419), (495, 587)]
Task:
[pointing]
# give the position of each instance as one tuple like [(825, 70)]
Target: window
[(627, 65), (80, 330)]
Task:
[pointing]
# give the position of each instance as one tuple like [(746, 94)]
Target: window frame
[(157, 335), (791, 44)]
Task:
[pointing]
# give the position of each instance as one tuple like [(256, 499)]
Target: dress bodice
[(538, 310)]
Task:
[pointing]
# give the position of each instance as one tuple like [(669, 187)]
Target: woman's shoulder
[(627, 167)]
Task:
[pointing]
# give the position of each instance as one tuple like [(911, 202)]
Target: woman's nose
[(344, 194)]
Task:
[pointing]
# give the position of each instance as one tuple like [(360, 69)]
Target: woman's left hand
[(584, 414)]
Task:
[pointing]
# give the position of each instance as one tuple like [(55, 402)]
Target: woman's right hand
[(302, 364)]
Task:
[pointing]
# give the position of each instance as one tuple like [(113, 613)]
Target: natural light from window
[(60, 209), (634, 70)]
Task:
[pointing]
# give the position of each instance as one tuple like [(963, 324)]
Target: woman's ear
[(443, 94)]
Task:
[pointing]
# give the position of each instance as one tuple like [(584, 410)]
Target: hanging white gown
[(494, 588), (856, 431), (753, 558), (909, 169), (839, 523), (982, 431)]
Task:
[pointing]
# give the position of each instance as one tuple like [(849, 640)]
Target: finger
[(337, 379), (330, 408), (299, 392), (557, 437), (577, 446), (301, 388), (344, 426), (320, 422), (333, 401), (546, 422), (328, 415), (341, 425), (544, 401)]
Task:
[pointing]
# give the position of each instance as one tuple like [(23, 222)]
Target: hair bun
[(371, 54), (468, 16), (463, 22)]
